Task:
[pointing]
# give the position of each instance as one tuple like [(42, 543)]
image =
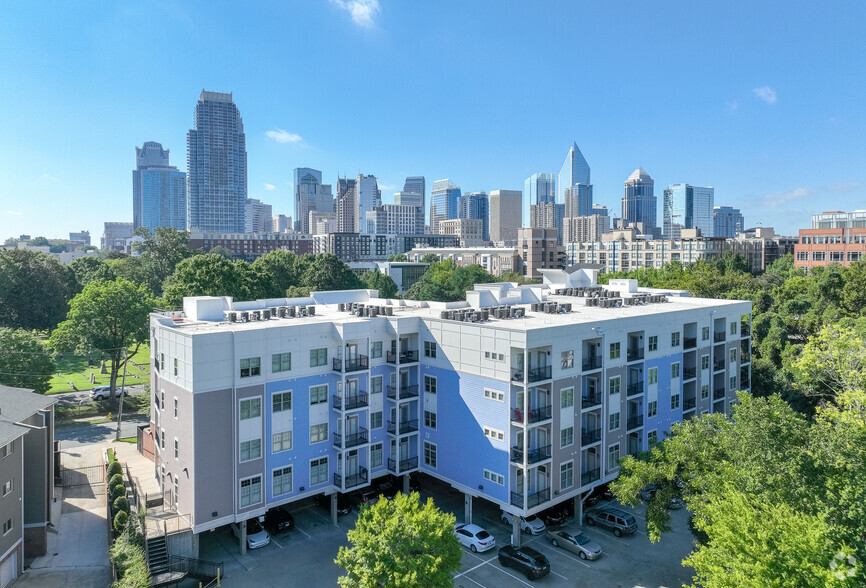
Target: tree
[(111, 317), (400, 543), (276, 272), (221, 251), (430, 258), (831, 362), (398, 257), (205, 275), (88, 269), (161, 251), (35, 290), (376, 280), (328, 272), (25, 361)]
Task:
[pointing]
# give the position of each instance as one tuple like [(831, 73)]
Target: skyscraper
[(369, 197), (217, 165), (506, 215), (347, 206), (417, 185), (475, 206), (310, 194), (639, 203), (258, 216), (443, 202), (687, 207), (727, 222), (575, 170), (158, 190), (578, 200), (404, 198)]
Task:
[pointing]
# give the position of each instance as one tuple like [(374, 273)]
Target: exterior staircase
[(157, 556)]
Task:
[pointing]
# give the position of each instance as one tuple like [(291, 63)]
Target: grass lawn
[(128, 440), (138, 404), (74, 368)]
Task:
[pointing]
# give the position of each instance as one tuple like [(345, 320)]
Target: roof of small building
[(19, 403)]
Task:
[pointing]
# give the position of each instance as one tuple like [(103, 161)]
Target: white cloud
[(283, 136), (15, 212), (766, 93), (362, 11), (785, 197), (386, 187), (270, 187)]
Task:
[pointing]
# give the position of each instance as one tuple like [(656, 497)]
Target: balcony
[(352, 480), (718, 394), (590, 476), (689, 404), (535, 374), (634, 354), (362, 362), (590, 437), (402, 357), (718, 337), (690, 342), (745, 331), (405, 427), (534, 455), (536, 415), (401, 392), (690, 373), (718, 365), (352, 401), (533, 499), (592, 363), (352, 439), (590, 400), (634, 388), (403, 465), (634, 422)]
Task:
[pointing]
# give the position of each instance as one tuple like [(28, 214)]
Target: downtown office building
[(524, 396)]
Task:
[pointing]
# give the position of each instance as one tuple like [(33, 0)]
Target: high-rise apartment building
[(687, 207), (469, 231), (506, 215), (347, 206), (727, 222), (475, 206), (258, 216), (539, 249), (581, 229), (392, 219), (216, 165), (578, 200), (369, 197), (575, 170), (443, 202), (310, 194), (282, 224), (639, 205), (158, 190)]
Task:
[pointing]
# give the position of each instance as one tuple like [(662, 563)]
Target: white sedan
[(474, 537), (531, 524)]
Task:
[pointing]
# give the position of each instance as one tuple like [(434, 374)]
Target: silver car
[(580, 544)]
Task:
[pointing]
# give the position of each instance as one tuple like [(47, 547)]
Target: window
[(653, 344), (429, 419), (653, 438), (653, 373), (7, 526), (319, 471), (430, 349), (732, 384), (494, 395), (652, 408), (675, 339), (281, 441), (161, 399), (251, 449), (318, 433), (281, 362), (614, 385), (318, 357), (430, 384), (251, 491), (251, 408), (282, 402), (734, 328), (376, 350), (566, 437), (614, 421), (376, 385), (251, 366), (732, 354), (819, 256), (175, 407), (376, 420), (7, 450), (705, 391), (566, 398), (318, 394), (567, 359), (613, 456), (675, 370), (429, 454), (162, 439), (7, 487), (494, 434), (705, 333), (282, 480), (175, 366), (376, 455), (675, 401), (802, 256), (566, 475), (494, 477), (705, 362), (614, 350), (176, 448)]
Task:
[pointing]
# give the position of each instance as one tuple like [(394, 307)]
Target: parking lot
[(304, 556)]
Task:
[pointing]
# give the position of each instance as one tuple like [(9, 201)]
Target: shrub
[(117, 491), (121, 504), (120, 520), (131, 564), (115, 480), (115, 468)]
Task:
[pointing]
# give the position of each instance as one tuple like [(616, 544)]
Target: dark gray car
[(617, 521)]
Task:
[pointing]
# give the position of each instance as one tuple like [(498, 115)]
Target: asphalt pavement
[(76, 398), (101, 433)]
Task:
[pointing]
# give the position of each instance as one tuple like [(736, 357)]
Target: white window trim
[(492, 394), (291, 486), (310, 469), (562, 465), (493, 477), (261, 492), (424, 456)]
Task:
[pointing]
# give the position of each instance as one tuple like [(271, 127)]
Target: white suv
[(531, 524), (102, 392)]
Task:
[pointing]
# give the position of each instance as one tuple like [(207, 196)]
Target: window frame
[(278, 360), (282, 472), (250, 482), (253, 367)]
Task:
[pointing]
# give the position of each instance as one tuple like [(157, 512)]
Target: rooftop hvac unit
[(341, 307), (534, 307), (374, 311), (389, 311), (311, 310), (245, 316), (256, 315), (567, 307), (290, 311), (443, 314), (266, 314), (485, 315), (358, 312), (232, 317)]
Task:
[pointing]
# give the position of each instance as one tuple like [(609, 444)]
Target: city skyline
[(775, 127)]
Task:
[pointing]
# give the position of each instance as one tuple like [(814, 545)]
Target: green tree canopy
[(88, 269), (35, 290), (376, 280), (445, 281), (160, 252), (25, 361), (276, 272), (400, 543), (206, 275), (398, 257), (326, 271)]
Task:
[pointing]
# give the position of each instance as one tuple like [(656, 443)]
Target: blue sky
[(762, 100)]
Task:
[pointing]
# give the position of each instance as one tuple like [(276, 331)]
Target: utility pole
[(122, 393)]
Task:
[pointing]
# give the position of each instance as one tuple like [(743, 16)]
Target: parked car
[(474, 537), (524, 559), (531, 524), (618, 521), (602, 492), (103, 392), (647, 492), (387, 488), (279, 520), (555, 515), (256, 535), (344, 503), (367, 498), (580, 544)]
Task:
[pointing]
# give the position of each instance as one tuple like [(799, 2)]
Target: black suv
[(618, 521), (555, 515), (279, 520), (344, 503), (524, 559)]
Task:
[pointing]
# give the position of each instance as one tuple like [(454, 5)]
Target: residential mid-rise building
[(116, 236), (249, 246), (80, 237), (443, 202), (727, 222), (404, 273), (539, 249), (216, 166), (546, 215), (322, 223), (580, 229), (506, 216), (282, 223), (687, 207), (415, 199), (835, 237), (348, 206), (396, 219), (263, 403), (475, 205), (761, 246), (310, 195), (575, 170), (640, 205), (360, 247), (495, 260), (369, 197), (258, 216), (158, 190), (469, 231)]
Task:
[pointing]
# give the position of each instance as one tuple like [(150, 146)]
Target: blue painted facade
[(665, 417)]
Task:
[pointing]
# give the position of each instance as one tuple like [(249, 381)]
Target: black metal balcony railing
[(690, 373), (634, 354), (352, 480), (718, 365), (405, 427), (745, 331), (590, 476), (634, 422), (538, 374), (591, 400), (718, 393), (402, 392), (534, 455), (592, 363), (541, 413), (403, 465), (356, 364), (635, 388), (352, 401), (403, 356), (689, 403), (590, 437), (352, 439), (534, 499), (690, 342), (717, 337)]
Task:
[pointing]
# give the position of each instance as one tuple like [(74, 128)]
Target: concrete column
[(334, 509), (467, 508), (515, 530), (406, 484), (243, 526), (578, 510)]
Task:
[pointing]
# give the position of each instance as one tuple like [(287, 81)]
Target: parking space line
[(483, 562), (474, 582), (560, 575), (569, 556), (274, 541), (304, 532), (507, 573)]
